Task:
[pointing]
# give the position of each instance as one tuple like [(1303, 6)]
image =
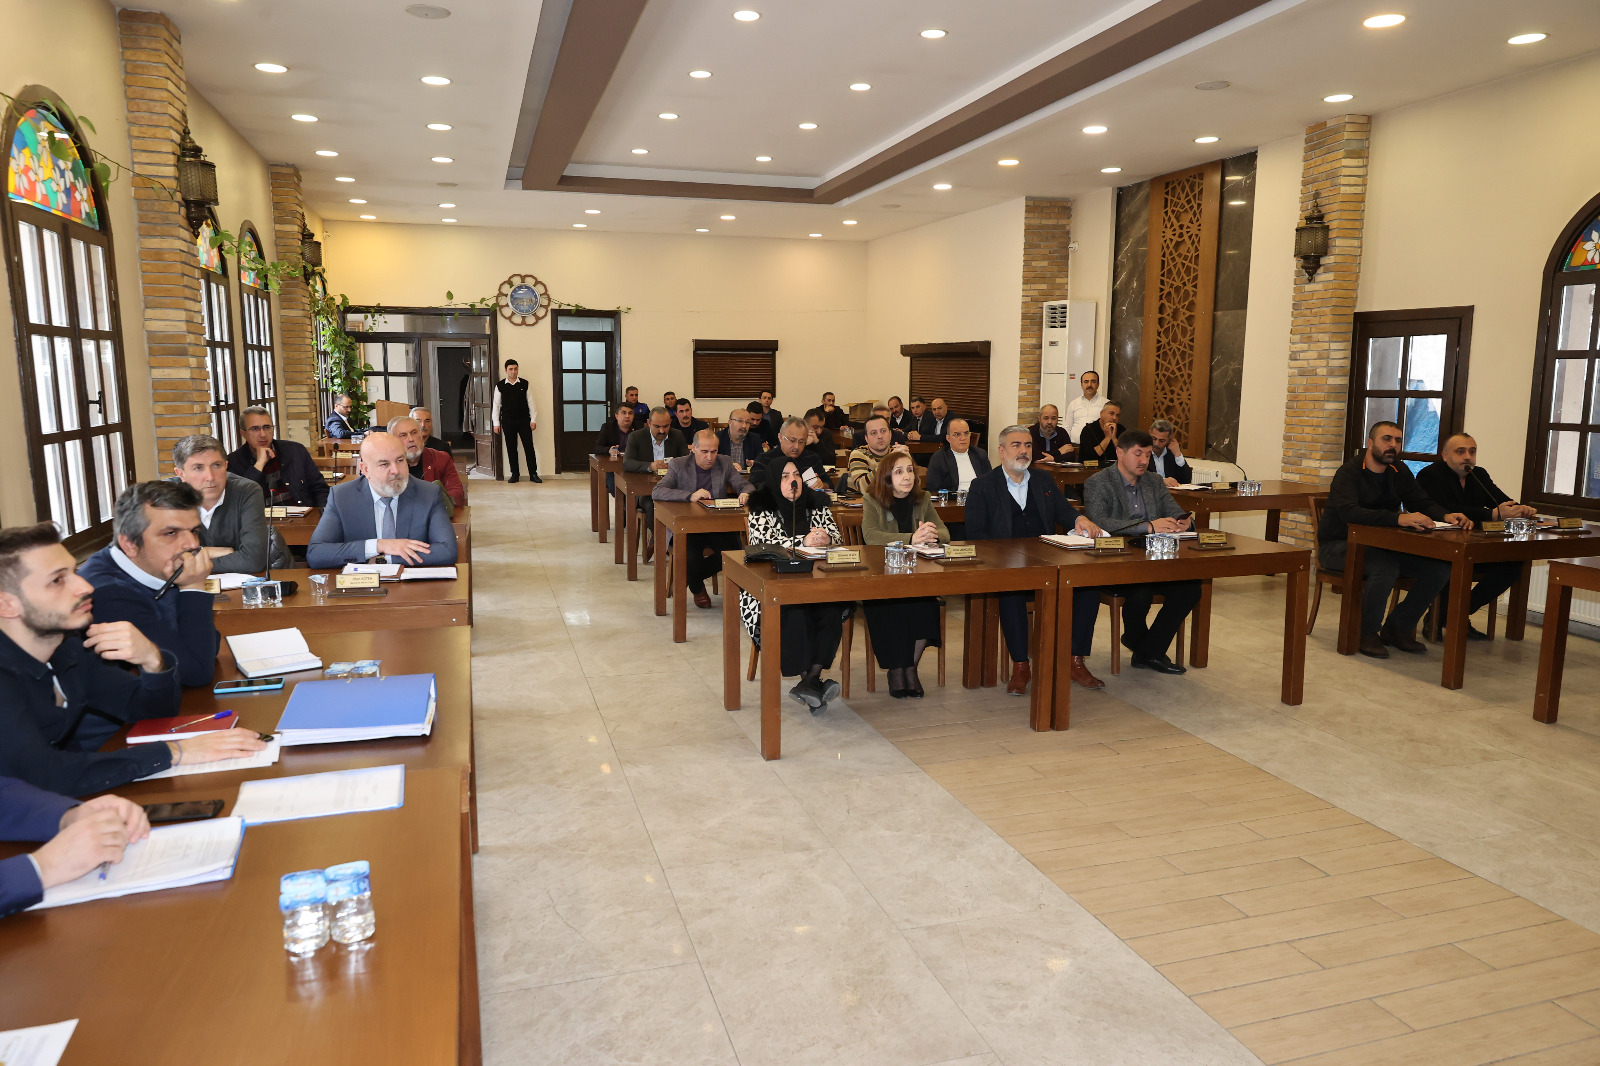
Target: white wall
[(958, 279), (1094, 231)]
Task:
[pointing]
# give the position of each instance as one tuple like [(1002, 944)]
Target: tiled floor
[(1193, 874)]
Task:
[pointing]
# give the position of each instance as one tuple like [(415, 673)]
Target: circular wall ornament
[(523, 299)]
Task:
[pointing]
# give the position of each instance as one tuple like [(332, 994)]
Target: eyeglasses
[(792, 440)]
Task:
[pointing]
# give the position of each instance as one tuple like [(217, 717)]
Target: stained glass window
[(249, 272), (255, 306), (47, 171), (1585, 253), (210, 255)]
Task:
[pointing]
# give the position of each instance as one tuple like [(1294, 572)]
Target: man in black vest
[(514, 410)]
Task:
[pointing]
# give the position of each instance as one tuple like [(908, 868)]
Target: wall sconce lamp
[(1311, 241), (310, 249), (197, 182)]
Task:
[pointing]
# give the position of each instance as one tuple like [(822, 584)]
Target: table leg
[(1052, 679), (1200, 628), (1296, 602), (594, 499), (1552, 652), (621, 499), (1273, 514), (771, 680), (680, 581), (632, 507), (972, 642), (661, 573), (1350, 602), (1517, 610), (1202, 517), (732, 640), (991, 641), (1454, 672)]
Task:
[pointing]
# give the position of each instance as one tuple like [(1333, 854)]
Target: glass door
[(1409, 367), (586, 376)]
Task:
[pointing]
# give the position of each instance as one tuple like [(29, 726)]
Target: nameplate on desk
[(1569, 523), (213, 585), (1211, 537), (722, 505), (277, 512), (355, 581), (1221, 486), (1493, 527), (959, 550), (843, 556), (1104, 544), (1090, 464)]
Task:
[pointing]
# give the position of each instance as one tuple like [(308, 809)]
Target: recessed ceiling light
[(727, 218), (1338, 98), (447, 206), (358, 201), (443, 159), (641, 151), (1236, 203), (1008, 162), (1205, 140), (428, 11), (668, 115), (702, 231), (439, 125), (808, 125), (591, 210), (1094, 129), (849, 222), (942, 186), (860, 86), (279, 68), (1525, 38), (304, 118), (447, 220), (933, 35), (369, 218), (580, 225), (763, 159), (1111, 170), (435, 79), (747, 16), (1382, 22), (699, 74), (326, 152), (813, 235), (344, 179)]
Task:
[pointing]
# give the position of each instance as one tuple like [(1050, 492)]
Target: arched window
[(69, 337), (1563, 464), (221, 379), (255, 306)]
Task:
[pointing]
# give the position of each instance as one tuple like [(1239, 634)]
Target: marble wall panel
[(1235, 223), (1127, 298)]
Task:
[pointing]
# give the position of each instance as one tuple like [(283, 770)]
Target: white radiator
[(1585, 604)]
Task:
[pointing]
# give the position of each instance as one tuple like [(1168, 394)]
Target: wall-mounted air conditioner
[(1067, 350)]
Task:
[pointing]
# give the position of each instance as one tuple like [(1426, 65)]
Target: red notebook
[(193, 725)]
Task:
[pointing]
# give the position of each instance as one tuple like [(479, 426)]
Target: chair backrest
[(1317, 504)]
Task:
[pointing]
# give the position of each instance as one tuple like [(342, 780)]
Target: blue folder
[(359, 708)]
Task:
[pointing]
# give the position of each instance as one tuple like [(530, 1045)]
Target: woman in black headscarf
[(785, 512)]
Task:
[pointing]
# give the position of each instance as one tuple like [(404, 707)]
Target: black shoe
[(808, 692), (1406, 642), (1474, 633), (1372, 645), (829, 689), (1159, 663), (513, 479), (898, 693), (915, 693), (536, 479)]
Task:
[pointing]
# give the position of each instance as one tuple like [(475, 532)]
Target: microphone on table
[(1488, 488)]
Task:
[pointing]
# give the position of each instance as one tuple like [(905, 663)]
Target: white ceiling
[(359, 69)]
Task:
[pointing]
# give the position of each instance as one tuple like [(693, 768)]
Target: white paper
[(229, 583), (274, 651), (40, 1045), (428, 573), (243, 762), (381, 569), (281, 799), (1068, 540), (172, 856)]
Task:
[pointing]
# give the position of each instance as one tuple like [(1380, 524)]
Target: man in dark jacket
[(901, 420), (1457, 483), (233, 520), (738, 440), (1051, 444), (80, 836), (955, 466), (1166, 458), (683, 419), (1369, 490), (284, 469), (339, 425), (1008, 502), (1098, 441)]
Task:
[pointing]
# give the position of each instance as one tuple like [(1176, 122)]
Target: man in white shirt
[(1085, 408), (1166, 458), (952, 468)]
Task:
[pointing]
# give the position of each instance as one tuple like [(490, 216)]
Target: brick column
[(297, 347), (169, 268), (1046, 233), (1333, 174)]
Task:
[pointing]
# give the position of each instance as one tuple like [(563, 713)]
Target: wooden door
[(480, 401), (586, 385)]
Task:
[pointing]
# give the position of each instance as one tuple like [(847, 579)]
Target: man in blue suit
[(384, 512), (81, 836), (338, 424)]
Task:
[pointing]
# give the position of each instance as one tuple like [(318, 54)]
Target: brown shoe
[(1372, 644), (702, 600), (649, 548), (1404, 641), (1020, 676), (1081, 674)]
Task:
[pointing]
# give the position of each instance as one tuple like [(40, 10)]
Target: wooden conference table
[(1565, 575), (400, 605), (1462, 550), (199, 974), (1064, 474), (1274, 498), (599, 513)]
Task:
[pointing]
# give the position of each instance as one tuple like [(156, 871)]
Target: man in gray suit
[(384, 513), (1130, 498), (647, 453), (233, 522), (703, 474)]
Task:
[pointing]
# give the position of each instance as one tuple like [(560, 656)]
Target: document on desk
[(381, 569), (1067, 540), (428, 573), (276, 651), (38, 1045), (228, 582), (267, 757), (282, 799), (172, 856)]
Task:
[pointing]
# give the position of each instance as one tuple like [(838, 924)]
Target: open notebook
[(276, 651), (172, 856)]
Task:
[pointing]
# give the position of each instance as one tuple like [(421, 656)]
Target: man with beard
[(1370, 490), (877, 442), (424, 419), (64, 684), (383, 515), (157, 531), (1051, 444), (428, 464), (738, 440)]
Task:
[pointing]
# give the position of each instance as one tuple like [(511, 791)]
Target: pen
[(103, 868), (197, 721)]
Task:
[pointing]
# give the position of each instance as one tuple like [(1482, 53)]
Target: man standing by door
[(514, 411)]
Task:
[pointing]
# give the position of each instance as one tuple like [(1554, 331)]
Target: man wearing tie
[(383, 513)]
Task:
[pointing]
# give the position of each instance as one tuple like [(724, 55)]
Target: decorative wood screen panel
[(957, 372), (1180, 291), (739, 369)]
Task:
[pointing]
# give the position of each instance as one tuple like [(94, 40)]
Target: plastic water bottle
[(303, 899), (350, 897)]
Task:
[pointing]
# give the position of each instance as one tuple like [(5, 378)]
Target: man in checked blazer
[(413, 527), (1128, 498)]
